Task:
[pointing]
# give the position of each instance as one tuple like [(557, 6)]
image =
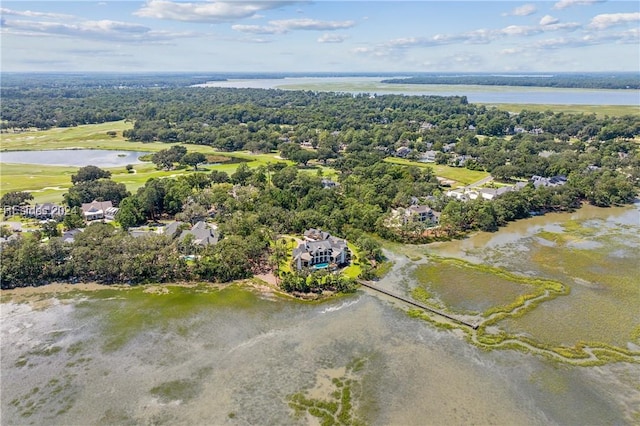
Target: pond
[(73, 157)]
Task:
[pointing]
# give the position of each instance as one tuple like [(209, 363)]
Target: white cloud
[(31, 14), (287, 25), (607, 20), (548, 20), (331, 38), (210, 11), (312, 24), (563, 4), (625, 37), (396, 47), (512, 51), (519, 30), (524, 10), (257, 29), (105, 30), (554, 43)]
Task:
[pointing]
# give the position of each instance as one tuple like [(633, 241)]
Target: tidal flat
[(589, 260), (233, 355)]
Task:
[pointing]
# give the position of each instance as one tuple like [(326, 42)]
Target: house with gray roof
[(420, 213), (70, 235), (97, 210), (172, 229), (539, 181), (203, 234), (321, 250)]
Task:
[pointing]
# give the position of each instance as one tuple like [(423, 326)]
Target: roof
[(315, 246), (316, 234), (172, 228), (419, 209), (96, 206), (202, 233)]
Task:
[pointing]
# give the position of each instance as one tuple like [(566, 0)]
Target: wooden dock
[(412, 302)]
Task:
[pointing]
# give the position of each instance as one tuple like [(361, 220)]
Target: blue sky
[(327, 36)]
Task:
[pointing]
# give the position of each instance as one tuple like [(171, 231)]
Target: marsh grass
[(604, 300), (130, 314), (176, 390), (598, 110), (338, 406), (594, 255), (464, 287)]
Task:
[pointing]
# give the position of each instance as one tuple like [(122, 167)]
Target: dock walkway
[(412, 302)]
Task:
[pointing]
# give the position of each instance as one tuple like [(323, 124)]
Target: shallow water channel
[(236, 356)]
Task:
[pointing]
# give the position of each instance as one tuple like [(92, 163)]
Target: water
[(235, 356), (474, 93), (73, 157)]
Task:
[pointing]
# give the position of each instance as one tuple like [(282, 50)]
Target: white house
[(320, 250), (96, 210)]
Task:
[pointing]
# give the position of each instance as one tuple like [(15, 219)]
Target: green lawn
[(50, 182), (459, 174), (353, 270), (86, 136)]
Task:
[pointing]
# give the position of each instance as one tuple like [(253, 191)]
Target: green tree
[(50, 229), (193, 159), (15, 198), (192, 213), (302, 156), (73, 219), (89, 173), (241, 175), (21, 262), (370, 248), (217, 176), (5, 231), (279, 254), (101, 190), (129, 214)]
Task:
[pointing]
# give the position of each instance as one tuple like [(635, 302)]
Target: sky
[(320, 36)]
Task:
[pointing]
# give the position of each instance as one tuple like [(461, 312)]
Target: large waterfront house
[(418, 213), (414, 213), (320, 250)]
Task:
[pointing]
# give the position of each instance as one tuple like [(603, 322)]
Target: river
[(202, 355), (474, 93)]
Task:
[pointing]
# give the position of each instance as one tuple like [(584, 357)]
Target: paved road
[(480, 182)]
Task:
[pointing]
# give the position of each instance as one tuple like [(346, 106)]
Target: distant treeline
[(148, 80), (23, 81), (576, 81)]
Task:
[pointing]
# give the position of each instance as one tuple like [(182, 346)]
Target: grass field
[(48, 183), (459, 174), (598, 110)]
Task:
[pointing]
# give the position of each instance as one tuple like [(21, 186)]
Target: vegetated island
[(573, 81), (343, 174)]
